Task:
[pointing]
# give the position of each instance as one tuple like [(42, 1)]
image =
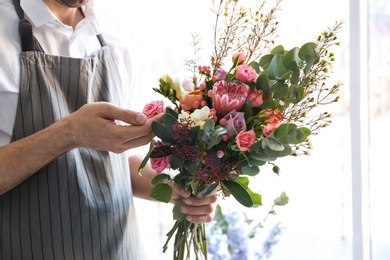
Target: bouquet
[(252, 104)]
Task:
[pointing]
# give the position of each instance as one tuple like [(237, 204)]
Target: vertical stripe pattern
[(80, 205)]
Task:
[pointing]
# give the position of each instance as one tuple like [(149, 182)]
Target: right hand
[(94, 125)]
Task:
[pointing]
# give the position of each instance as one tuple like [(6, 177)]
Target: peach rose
[(191, 100), (245, 140)]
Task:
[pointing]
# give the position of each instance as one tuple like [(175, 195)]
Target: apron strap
[(29, 42)]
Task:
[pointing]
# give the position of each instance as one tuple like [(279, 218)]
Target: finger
[(199, 219), (179, 189), (128, 116), (196, 202)]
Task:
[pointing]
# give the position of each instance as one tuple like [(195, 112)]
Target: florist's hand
[(197, 210), (95, 126)]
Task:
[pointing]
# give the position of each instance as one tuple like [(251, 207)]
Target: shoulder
[(9, 46)]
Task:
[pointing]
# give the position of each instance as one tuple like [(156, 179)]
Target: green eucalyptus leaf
[(239, 193), (283, 130), (262, 83), (255, 66), (265, 61), (162, 132), (281, 92), (291, 60), (161, 192), (273, 144), (308, 52), (278, 50), (295, 77), (216, 136), (250, 170), (275, 154), (298, 136), (276, 69), (160, 178)]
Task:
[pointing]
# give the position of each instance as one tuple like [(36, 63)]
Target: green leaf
[(175, 162), (172, 112), (162, 132), (177, 214), (250, 170), (276, 69), (207, 191), (273, 144), (239, 193), (298, 136), (291, 60), (265, 61), (308, 52), (275, 154), (278, 50), (263, 84), (283, 130), (256, 198), (146, 158), (168, 121), (161, 192), (160, 178), (255, 66)]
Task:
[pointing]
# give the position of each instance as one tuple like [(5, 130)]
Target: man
[(66, 187)]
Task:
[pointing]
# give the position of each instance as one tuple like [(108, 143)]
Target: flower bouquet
[(247, 108)]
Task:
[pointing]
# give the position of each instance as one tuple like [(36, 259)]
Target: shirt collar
[(39, 14)]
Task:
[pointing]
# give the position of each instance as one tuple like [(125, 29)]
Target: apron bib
[(79, 206)]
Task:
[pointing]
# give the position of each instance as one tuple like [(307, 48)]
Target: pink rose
[(269, 128), (191, 100), (246, 73), (239, 58), (256, 98), (228, 96), (160, 164), (245, 140), (274, 117), (153, 108)]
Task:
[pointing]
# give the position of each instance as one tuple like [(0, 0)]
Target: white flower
[(196, 118)]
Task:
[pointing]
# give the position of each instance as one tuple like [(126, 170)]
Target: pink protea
[(228, 96)]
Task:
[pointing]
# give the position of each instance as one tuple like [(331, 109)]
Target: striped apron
[(79, 206)]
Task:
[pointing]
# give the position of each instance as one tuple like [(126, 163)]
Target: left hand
[(197, 210)]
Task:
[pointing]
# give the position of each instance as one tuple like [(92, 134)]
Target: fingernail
[(140, 118), (189, 218), (187, 201), (184, 210)]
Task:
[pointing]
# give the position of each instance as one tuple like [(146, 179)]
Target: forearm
[(141, 183), (21, 159)]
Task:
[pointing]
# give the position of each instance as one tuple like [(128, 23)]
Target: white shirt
[(56, 38)]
